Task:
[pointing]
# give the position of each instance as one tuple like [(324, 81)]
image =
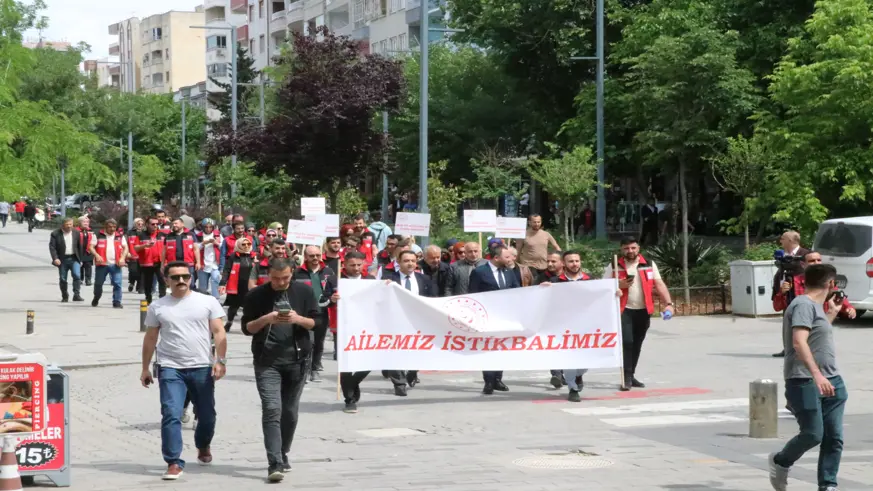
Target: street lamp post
[(182, 166), (384, 175), (233, 91), (130, 179), (62, 163), (423, 42)]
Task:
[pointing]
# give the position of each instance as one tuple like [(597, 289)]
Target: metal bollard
[(763, 409), (143, 309), (30, 315)]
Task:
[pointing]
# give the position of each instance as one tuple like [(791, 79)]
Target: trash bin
[(752, 287)]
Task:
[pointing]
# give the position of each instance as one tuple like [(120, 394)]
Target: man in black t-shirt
[(279, 315)]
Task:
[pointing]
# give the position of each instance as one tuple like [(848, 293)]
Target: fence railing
[(705, 300)]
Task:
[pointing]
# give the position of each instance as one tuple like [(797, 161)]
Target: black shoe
[(65, 299), (286, 465), (501, 386), (780, 354), (317, 367), (556, 382), (411, 380), (227, 326), (117, 306), (87, 282), (95, 302), (314, 376), (574, 396), (130, 288), (637, 384), (350, 408), (356, 394), (78, 298), (275, 474), (400, 390), (488, 389)]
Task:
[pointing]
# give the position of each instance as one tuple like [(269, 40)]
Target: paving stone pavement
[(685, 431)]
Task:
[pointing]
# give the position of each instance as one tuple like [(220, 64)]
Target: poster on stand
[(480, 221), (312, 206), (22, 398), (417, 224), (306, 233), (45, 451), (329, 222)]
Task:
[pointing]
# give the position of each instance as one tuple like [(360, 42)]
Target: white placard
[(417, 224), (480, 220), (511, 228), (307, 233), (312, 206), (534, 328), (329, 222)]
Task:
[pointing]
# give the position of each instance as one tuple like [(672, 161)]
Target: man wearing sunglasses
[(149, 249), (181, 330), (179, 246), (279, 316)]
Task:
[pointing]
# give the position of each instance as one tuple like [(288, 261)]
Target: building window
[(217, 70), (145, 59), (157, 34), (261, 44), (260, 9), (402, 42), (167, 54), (383, 45), (251, 46), (214, 42), (392, 46), (374, 48), (167, 76), (396, 5), (251, 13)]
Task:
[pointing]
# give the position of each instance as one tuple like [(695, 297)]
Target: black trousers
[(634, 326), (492, 377), (280, 388), (401, 377), (87, 268), (148, 274), (350, 382), (319, 335), (133, 276)]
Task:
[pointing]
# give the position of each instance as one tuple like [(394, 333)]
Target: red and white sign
[(22, 398), (511, 228), (307, 233), (534, 328), (44, 451), (329, 222), (312, 206), (417, 224), (480, 220)]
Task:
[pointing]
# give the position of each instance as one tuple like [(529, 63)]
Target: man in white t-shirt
[(180, 326), (4, 212), (211, 261)]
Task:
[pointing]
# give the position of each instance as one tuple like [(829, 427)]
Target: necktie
[(408, 284), (501, 281)]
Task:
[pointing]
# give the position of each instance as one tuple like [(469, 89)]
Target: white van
[(847, 243)]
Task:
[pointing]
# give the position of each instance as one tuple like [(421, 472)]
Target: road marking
[(670, 419), (661, 407), (634, 394)]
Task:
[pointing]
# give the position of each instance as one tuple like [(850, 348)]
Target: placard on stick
[(329, 222), (417, 224), (307, 233), (511, 228), (312, 206), (480, 220)]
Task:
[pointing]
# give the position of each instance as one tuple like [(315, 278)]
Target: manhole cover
[(562, 462)]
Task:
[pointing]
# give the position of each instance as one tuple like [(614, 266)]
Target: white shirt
[(636, 298), (184, 339), (210, 262), (495, 270), (68, 243), (110, 249), (413, 283), (4, 208), (794, 251)]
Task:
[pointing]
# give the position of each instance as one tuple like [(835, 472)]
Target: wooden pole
[(620, 340), (339, 275)]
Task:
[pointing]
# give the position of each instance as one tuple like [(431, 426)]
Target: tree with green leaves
[(496, 175), (443, 198), (683, 83), (246, 74), (571, 178)]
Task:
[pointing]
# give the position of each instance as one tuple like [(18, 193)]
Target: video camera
[(783, 259), (837, 295)]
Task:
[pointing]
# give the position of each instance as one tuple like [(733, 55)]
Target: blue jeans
[(70, 266), (570, 377), (114, 273), (175, 384), (210, 281), (821, 423)]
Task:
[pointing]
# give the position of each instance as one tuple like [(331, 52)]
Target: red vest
[(170, 243), (233, 279), (216, 244), (263, 271), (86, 233), (100, 248), (366, 248), (230, 240), (151, 255), (647, 283), (132, 242)]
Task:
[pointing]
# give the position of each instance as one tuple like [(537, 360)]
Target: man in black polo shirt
[(279, 316)]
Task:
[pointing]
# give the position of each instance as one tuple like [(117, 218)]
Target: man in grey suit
[(489, 277), (67, 249), (458, 280)]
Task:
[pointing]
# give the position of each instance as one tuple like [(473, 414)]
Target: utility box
[(752, 287)]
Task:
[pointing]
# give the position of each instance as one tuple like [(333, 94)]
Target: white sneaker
[(186, 416), (778, 474)]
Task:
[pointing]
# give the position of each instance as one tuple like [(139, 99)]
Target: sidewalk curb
[(108, 364)]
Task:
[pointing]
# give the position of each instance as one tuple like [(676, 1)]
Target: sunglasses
[(245, 244), (180, 277), (271, 235)]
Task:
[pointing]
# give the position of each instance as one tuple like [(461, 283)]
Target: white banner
[(329, 222), (307, 233), (511, 228), (417, 224), (480, 220), (312, 206), (566, 325)]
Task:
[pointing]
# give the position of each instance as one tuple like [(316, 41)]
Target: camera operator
[(789, 262), (780, 300)]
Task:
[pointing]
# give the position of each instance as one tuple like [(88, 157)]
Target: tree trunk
[(332, 196), (572, 227), (746, 228), (683, 197), (566, 234)]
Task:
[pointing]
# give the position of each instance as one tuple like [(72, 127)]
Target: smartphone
[(285, 312), (630, 278)]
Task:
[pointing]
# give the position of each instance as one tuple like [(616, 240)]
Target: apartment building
[(266, 27), (102, 70), (161, 52), (220, 18)]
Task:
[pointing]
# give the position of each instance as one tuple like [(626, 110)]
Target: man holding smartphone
[(638, 279), (813, 385), (188, 324), (279, 315)]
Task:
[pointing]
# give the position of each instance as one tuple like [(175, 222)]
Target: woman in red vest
[(235, 278)]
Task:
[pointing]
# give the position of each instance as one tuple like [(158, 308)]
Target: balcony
[(208, 4), (115, 70), (278, 22), (295, 12), (239, 6), (333, 5), (114, 29), (114, 49), (220, 21), (242, 33)]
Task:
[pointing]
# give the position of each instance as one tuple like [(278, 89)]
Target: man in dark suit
[(790, 267), (491, 277), (67, 249), (419, 284)]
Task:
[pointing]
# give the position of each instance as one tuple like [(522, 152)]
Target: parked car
[(847, 243), (81, 201)]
